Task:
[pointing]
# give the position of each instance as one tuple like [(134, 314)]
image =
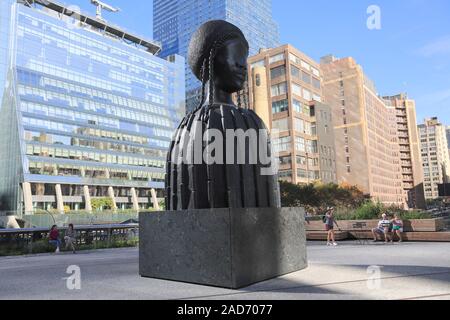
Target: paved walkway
[(408, 271)]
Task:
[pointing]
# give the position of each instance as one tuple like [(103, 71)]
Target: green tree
[(316, 197), (102, 204)]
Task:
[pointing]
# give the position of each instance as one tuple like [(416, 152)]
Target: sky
[(410, 53)]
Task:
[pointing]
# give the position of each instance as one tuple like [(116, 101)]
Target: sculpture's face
[(230, 66)]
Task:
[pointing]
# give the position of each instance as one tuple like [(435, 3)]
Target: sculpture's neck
[(220, 96)]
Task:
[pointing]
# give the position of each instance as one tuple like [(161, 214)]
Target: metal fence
[(29, 241)]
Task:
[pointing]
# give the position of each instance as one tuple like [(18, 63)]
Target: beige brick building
[(367, 146), (435, 156), (285, 89), (408, 139)]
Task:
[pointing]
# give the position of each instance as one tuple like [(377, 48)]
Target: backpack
[(324, 219)]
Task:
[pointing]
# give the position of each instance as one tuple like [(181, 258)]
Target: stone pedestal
[(230, 248)]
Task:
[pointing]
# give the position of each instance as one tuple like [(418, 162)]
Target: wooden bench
[(409, 236), (416, 230), (358, 235)]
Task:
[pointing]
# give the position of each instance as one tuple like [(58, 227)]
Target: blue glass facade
[(89, 110), (174, 22)]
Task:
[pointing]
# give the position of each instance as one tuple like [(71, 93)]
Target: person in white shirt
[(384, 226)]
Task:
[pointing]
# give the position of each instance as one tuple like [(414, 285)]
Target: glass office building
[(87, 110), (174, 22)]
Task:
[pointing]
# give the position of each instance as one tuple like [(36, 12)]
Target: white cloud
[(436, 97), (438, 47)]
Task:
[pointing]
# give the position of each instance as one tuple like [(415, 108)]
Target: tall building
[(87, 110), (367, 147), (174, 22), (285, 90), (435, 156), (408, 138), (448, 138)]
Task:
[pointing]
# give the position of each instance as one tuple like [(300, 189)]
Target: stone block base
[(229, 248)]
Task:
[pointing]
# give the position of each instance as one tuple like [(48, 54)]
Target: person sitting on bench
[(397, 228), (383, 229), (54, 238)]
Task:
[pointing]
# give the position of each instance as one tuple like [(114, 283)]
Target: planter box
[(416, 225)]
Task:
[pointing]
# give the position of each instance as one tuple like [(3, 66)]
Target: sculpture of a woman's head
[(218, 54)]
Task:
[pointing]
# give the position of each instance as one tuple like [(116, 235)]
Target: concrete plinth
[(230, 248)]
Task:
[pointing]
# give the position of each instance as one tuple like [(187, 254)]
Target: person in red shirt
[(54, 238)]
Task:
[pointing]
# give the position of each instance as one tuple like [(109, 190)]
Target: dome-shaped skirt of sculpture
[(228, 185)]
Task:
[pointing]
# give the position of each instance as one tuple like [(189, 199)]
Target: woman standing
[(329, 226)]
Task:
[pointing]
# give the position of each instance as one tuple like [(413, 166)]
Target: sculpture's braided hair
[(208, 65)]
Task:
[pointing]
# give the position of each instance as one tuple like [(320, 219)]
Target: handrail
[(79, 228)]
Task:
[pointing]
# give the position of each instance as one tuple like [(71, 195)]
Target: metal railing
[(29, 241)]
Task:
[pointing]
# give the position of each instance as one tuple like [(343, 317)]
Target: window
[(300, 144), (279, 89), (297, 105), (276, 58), (313, 129), (285, 174), (285, 160), (282, 144), (282, 124), (278, 72), (309, 128), (258, 80), (306, 77), (316, 83), (317, 98), (301, 173), (315, 72), (305, 65), (280, 106), (294, 58), (311, 146), (260, 63), (296, 89), (295, 72), (307, 95), (301, 160), (299, 125)]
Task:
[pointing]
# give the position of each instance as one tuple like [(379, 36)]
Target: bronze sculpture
[(223, 226), (218, 55)]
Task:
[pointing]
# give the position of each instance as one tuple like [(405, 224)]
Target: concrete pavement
[(406, 271)]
